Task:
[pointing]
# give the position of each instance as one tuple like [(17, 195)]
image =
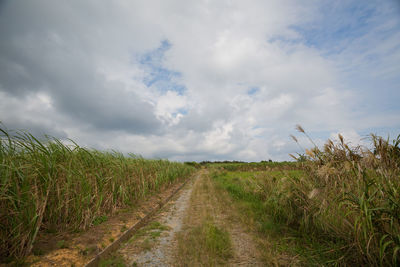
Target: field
[(52, 187), (338, 205)]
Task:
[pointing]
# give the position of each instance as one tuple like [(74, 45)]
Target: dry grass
[(341, 208), (350, 196)]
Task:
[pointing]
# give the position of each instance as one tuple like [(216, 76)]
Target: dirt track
[(161, 253), (160, 243)]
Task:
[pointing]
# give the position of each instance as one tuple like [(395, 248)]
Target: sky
[(200, 80)]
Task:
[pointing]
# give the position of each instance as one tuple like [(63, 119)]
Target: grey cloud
[(70, 69), (42, 53), (194, 121), (107, 105), (37, 129)]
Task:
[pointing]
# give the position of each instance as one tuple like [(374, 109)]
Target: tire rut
[(161, 251)]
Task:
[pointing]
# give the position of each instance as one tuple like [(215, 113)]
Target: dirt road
[(198, 227), (154, 244)]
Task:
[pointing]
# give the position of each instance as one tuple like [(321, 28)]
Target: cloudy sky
[(200, 80)]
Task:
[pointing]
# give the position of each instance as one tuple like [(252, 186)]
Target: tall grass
[(255, 166), (47, 185), (350, 196)]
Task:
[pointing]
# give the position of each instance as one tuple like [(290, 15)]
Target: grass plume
[(349, 194)]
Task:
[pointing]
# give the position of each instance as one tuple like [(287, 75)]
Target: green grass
[(114, 261), (100, 219), (252, 166), (47, 185), (342, 207), (62, 244), (88, 250), (205, 245), (146, 237), (251, 201), (152, 230), (217, 240)]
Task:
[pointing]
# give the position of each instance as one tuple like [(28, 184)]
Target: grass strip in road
[(204, 239), (206, 243)]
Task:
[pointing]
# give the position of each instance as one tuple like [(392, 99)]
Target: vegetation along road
[(63, 205)]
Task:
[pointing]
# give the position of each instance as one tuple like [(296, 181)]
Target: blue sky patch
[(158, 76), (253, 90), (339, 23)]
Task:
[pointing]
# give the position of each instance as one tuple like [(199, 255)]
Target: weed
[(147, 235), (217, 240), (100, 219), (155, 234), (156, 225), (62, 244), (123, 228), (37, 252), (88, 250), (147, 244), (114, 261), (206, 244)]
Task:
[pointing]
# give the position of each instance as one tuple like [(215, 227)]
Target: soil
[(161, 253)]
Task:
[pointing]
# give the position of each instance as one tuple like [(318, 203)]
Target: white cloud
[(170, 106), (76, 70)]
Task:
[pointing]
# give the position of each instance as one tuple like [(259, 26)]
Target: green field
[(46, 185), (338, 206)]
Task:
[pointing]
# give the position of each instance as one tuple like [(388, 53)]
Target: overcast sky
[(200, 80)]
